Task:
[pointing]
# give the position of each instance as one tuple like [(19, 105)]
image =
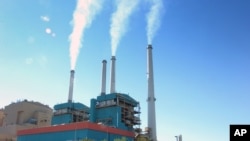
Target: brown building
[(1, 117), (22, 115)]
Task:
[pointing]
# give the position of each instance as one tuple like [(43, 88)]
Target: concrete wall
[(23, 115), (27, 112), (1, 117)]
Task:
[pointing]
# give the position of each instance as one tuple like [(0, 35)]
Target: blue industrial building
[(110, 117), (78, 131), (115, 110), (70, 112)]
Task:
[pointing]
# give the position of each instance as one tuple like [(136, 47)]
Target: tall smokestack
[(151, 98), (103, 89), (180, 138), (71, 85), (112, 80)]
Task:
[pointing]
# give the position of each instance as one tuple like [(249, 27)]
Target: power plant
[(110, 116)]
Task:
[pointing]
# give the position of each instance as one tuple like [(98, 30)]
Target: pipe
[(103, 87), (112, 80), (93, 110), (151, 98), (71, 85)]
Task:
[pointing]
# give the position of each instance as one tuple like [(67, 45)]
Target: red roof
[(76, 126)]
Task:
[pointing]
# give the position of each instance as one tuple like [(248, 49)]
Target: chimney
[(180, 138), (103, 87), (151, 98), (71, 85), (112, 80)]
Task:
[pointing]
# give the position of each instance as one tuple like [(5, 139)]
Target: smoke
[(119, 21), (153, 18), (82, 18)]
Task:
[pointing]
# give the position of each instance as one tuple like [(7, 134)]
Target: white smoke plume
[(154, 18), (119, 21), (82, 18)]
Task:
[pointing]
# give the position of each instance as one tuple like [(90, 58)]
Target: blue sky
[(201, 58)]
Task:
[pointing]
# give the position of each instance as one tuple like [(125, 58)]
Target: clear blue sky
[(201, 61)]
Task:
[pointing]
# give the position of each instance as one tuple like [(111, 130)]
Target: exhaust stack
[(103, 87), (71, 85), (112, 80), (151, 98)]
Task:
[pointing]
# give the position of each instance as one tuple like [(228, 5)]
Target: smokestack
[(180, 138), (151, 98), (112, 80), (71, 85), (103, 89)]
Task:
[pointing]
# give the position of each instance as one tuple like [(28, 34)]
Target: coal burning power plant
[(110, 117)]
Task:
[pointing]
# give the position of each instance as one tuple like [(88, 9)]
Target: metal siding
[(109, 112), (106, 97), (55, 136), (61, 119), (77, 106), (75, 126)]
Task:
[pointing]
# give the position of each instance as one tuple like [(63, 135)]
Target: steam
[(82, 18), (119, 21), (153, 18)]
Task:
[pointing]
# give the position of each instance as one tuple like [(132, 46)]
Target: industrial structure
[(1, 117), (111, 116), (151, 98), (23, 115), (70, 112), (178, 138)]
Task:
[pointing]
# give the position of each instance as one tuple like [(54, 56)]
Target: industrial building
[(23, 115), (115, 110), (1, 117), (111, 116)]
